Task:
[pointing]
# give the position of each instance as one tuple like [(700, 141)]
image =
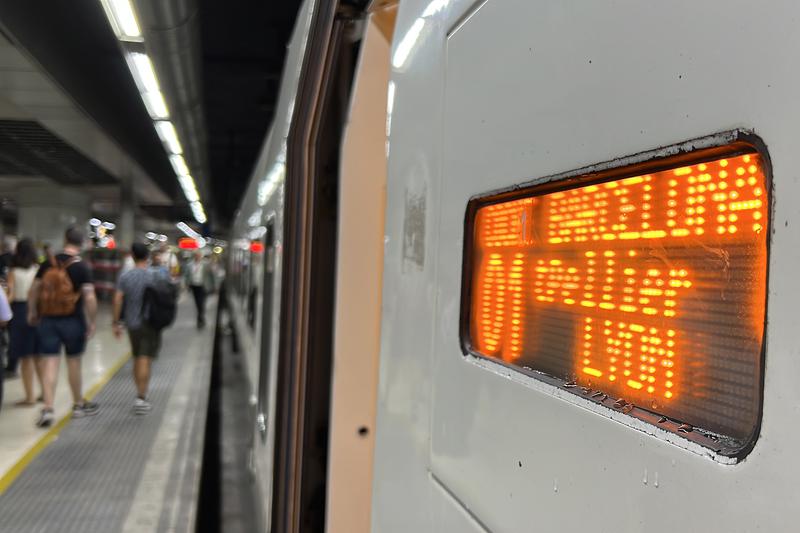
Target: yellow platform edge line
[(13, 473)]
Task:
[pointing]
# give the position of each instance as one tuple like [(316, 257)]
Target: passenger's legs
[(49, 367), (37, 365), (12, 362), (196, 296), (28, 367), (202, 316), (199, 294), (74, 374), (141, 374)]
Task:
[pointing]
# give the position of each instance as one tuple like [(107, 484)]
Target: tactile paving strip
[(87, 479)]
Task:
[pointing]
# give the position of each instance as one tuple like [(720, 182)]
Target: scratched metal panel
[(530, 89), (402, 487)]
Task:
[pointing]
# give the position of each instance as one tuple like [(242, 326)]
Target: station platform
[(116, 471)]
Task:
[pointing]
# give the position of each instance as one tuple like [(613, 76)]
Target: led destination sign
[(650, 288)]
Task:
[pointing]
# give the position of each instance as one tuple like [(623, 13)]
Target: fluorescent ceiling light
[(156, 106), (187, 230), (123, 19), (178, 165), (145, 77), (189, 188), (198, 212), (143, 72), (168, 135)]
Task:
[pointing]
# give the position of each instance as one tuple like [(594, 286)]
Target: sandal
[(24, 403)]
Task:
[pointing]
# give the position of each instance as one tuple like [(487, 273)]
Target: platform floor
[(18, 433), (118, 471)]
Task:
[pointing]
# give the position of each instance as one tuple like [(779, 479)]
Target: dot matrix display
[(650, 288)]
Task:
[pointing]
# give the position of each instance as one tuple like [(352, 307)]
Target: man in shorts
[(70, 330), (145, 340)]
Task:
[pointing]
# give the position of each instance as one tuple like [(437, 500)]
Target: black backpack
[(160, 303)]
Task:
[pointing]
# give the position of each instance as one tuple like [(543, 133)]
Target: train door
[(308, 278), (358, 284), (539, 107)]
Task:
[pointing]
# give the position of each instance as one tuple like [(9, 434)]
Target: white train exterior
[(474, 97)]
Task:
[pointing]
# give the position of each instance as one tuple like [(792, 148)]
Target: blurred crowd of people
[(48, 306)]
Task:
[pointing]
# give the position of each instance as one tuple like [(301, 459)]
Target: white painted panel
[(537, 88), (448, 514), (402, 486)]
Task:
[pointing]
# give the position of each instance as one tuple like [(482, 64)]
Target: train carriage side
[(255, 268), (305, 273), (589, 268)]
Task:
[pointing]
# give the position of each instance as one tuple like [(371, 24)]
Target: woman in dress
[(22, 336)]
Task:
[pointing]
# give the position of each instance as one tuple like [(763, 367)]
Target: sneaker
[(45, 418), (141, 406), (87, 408)]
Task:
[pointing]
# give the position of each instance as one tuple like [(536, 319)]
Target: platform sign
[(187, 243), (650, 288)]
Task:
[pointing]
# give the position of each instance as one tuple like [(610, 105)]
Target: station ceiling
[(242, 49)]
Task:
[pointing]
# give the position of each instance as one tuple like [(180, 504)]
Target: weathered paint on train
[(495, 93), (491, 94)]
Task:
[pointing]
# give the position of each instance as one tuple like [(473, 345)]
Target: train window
[(640, 288)]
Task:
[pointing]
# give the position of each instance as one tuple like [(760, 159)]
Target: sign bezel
[(704, 149)]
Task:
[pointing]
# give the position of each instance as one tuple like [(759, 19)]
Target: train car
[(523, 267), (304, 282)]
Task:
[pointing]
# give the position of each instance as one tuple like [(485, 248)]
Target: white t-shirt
[(23, 279)]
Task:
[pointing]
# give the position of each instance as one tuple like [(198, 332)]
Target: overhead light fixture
[(123, 21), (145, 77), (179, 165), (155, 105), (143, 72), (122, 17), (189, 188), (168, 135), (198, 212), (187, 230)]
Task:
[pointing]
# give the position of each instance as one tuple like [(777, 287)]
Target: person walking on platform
[(200, 280), (9, 243), (5, 316), (23, 342), (145, 338), (63, 306)]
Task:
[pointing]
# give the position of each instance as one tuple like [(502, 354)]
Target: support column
[(45, 212), (125, 234)]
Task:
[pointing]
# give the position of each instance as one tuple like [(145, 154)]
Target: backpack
[(160, 303), (57, 294)]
